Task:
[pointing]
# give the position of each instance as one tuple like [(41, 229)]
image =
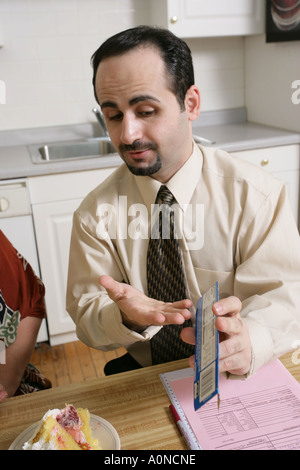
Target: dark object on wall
[(282, 20)]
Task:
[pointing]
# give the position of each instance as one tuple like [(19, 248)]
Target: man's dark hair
[(174, 52)]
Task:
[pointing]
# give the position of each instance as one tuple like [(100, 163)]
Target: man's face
[(144, 120)]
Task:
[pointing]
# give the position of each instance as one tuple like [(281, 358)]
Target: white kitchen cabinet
[(207, 18), (54, 199), (53, 223), (284, 163)]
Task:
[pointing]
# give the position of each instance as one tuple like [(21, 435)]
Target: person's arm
[(266, 324), (3, 394), (18, 354), (98, 309)]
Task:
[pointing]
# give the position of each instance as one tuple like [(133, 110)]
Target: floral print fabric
[(9, 320)]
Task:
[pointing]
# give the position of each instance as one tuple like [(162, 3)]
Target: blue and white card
[(206, 381)]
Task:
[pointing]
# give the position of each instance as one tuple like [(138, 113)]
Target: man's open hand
[(139, 311)]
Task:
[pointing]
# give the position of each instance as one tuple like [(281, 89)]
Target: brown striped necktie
[(166, 280)]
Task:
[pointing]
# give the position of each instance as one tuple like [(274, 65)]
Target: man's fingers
[(106, 281), (110, 285), (138, 309), (178, 311), (230, 346), (172, 315), (228, 306), (235, 351), (237, 364), (188, 335), (185, 303), (229, 325)]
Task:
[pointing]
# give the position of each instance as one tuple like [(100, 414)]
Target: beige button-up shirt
[(237, 229)]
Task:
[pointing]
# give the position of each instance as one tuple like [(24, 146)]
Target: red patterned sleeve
[(21, 289)]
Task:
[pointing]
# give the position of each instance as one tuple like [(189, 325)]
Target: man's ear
[(192, 102)]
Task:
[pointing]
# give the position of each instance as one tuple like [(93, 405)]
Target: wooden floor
[(71, 362)]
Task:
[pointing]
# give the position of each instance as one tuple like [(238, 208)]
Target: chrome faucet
[(101, 121)]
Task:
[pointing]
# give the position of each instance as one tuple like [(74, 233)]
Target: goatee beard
[(150, 170), (140, 146)]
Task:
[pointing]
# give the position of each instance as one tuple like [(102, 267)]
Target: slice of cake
[(66, 429)]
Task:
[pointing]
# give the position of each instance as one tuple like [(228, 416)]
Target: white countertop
[(227, 129), (246, 136)]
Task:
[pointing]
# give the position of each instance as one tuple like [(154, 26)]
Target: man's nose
[(131, 130)]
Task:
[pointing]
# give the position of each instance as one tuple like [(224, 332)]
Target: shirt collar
[(182, 184)]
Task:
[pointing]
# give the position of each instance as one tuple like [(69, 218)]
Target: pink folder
[(261, 412)]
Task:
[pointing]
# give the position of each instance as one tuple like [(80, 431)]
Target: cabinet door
[(54, 199), (53, 225), (205, 18), (284, 163)]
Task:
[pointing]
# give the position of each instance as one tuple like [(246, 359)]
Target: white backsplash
[(271, 69), (45, 60)]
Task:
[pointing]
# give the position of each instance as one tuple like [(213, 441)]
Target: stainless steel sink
[(69, 150)]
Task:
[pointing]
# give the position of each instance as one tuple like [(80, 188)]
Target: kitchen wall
[(270, 71), (45, 60), (45, 64)]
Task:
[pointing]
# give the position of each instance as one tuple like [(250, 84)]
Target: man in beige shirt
[(236, 223)]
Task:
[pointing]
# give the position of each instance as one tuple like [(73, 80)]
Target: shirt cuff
[(262, 346), (112, 323)]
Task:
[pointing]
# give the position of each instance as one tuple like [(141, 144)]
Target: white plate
[(102, 430)]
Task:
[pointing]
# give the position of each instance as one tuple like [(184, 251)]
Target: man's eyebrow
[(132, 102), (140, 98), (108, 104)]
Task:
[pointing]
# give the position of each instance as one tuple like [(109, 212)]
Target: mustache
[(137, 145)]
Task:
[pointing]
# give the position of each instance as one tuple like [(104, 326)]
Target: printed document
[(261, 412)]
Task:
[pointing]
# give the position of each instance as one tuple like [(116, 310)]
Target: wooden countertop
[(135, 403)]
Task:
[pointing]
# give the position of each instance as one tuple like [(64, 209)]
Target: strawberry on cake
[(66, 429)]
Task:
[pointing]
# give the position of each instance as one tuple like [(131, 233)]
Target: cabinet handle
[(3, 204), (174, 19), (264, 162)]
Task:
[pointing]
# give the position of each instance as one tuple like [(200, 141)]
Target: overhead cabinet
[(207, 18)]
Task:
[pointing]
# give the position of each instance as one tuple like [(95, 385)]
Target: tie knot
[(165, 195)]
